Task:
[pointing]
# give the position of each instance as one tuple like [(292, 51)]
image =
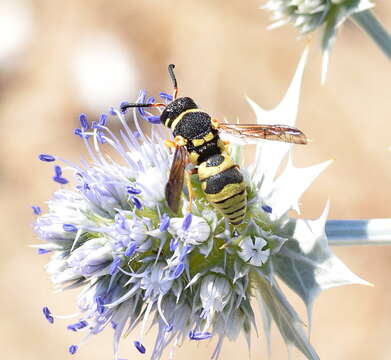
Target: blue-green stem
[(368, 22), (359, 232)]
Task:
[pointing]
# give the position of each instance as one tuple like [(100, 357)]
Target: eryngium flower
[(308, 15), (191, 275)]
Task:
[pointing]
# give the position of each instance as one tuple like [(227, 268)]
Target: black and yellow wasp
[(197, 140)]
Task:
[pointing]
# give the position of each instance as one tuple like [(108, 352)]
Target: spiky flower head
[(308, 15), (191, 275)]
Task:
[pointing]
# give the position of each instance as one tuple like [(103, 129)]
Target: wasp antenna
[(172, 75), (173, 79), (140, 105)]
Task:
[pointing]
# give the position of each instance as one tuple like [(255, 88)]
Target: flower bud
[(215, 294), (91, 257), (195, 233)]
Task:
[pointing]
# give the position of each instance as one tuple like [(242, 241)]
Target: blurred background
[(60, 58)]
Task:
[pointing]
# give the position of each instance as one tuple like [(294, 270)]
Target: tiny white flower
[(127, 231), (215, 294), (252, 251), (197, 233), (158, 283), (92, 257)]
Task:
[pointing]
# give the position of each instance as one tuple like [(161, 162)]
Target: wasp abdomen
[(223, 185)]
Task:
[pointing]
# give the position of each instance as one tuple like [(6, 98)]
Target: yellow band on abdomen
[(223, 186)]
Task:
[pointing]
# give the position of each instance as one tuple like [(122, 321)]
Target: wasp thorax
[(175, 108)]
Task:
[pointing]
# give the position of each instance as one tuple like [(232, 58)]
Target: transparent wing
[(175, 181), (282, 133)]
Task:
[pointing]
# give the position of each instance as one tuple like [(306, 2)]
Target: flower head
[(193, 275), (308, 15)]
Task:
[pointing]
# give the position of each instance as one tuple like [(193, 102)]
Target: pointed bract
[(306, 263)]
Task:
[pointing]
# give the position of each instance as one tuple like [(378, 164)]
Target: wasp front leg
[(178, 141), (170, 144), (189, 191)]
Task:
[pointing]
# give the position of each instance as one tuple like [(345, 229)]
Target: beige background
[(222, 51)]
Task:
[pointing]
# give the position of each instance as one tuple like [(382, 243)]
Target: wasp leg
[(193, 171), (178, 141), (169, 143), (189, 190), (227, 146), (215, 124)]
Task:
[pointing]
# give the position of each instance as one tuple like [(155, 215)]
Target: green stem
[(368, 22)]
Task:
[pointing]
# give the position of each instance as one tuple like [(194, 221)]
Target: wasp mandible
[(197, 140)]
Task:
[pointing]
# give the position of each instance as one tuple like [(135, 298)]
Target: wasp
[(197, 141)]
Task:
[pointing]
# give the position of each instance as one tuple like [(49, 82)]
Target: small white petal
[(259, 243), (260, 257)]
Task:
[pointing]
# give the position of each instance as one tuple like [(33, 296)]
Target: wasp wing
[(283, 133), (175, 181)]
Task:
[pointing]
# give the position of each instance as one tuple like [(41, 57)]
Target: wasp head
[(175, 108)]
